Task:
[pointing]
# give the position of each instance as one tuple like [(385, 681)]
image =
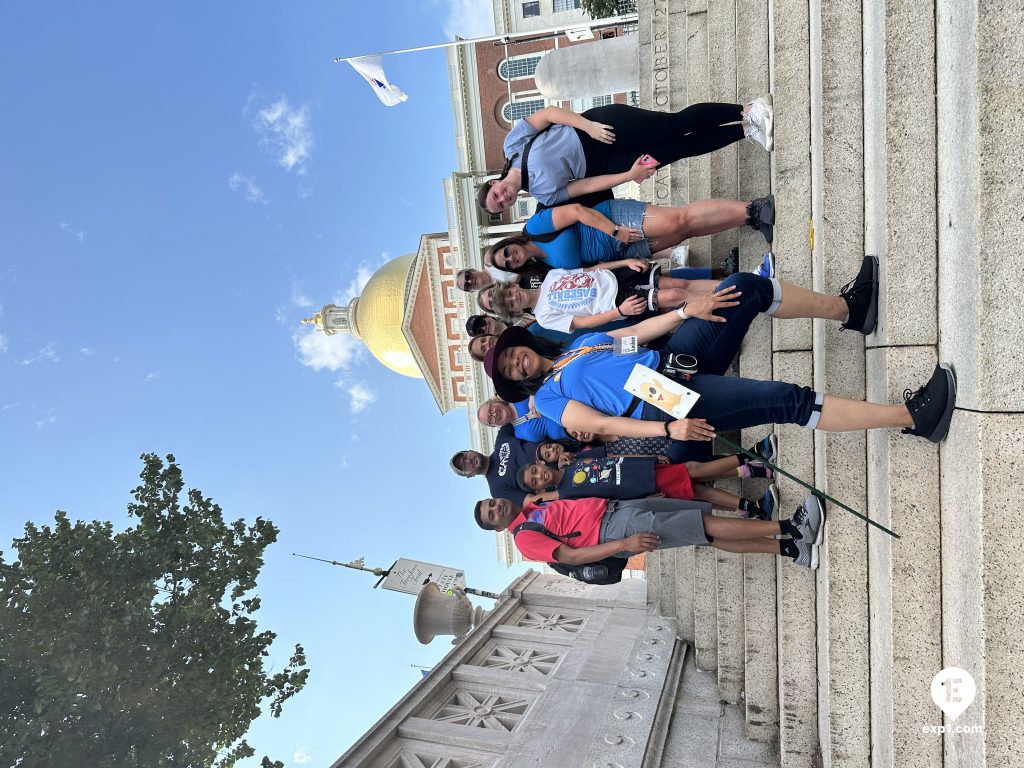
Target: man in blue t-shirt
[(501, 467), (526, 423)]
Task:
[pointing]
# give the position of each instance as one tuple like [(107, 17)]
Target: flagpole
[(609, 22)]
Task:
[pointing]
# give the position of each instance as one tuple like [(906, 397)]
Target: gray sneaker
[(808, 519), (807, 555)]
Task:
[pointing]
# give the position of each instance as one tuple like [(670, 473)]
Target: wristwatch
[(615, 232)]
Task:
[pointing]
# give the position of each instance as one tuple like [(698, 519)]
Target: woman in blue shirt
[(582, 389), (572, 236)]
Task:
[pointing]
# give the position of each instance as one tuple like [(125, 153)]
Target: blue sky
[(183, 183)]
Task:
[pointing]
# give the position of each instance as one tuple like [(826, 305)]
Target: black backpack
[(606, 571)]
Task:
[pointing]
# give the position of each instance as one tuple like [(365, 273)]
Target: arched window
[(517, 110), (518, 67)]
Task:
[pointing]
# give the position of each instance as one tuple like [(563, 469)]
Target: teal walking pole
[(810, 488)]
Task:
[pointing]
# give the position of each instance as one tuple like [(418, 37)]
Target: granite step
[(903, 474), (653, 572), (753, 179), (796, 595), (980, 69)]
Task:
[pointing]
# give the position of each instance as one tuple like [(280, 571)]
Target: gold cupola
[(375, 317)]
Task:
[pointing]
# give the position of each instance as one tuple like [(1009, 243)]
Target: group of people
[(583, 469)]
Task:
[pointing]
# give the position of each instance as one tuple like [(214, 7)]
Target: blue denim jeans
[(716, 344), (691, 273), (732, 402)]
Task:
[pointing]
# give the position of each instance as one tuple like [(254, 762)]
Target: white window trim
[(522, 9), (510, 59), (521, 96)]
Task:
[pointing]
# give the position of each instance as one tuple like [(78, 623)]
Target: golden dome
[(378, 313)]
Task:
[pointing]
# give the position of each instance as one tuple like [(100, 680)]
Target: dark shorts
[(635, 283)]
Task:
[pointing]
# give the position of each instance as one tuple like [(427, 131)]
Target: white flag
[(370, 68)]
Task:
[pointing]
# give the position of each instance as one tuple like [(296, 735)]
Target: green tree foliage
[(137, 649), (599, 9)]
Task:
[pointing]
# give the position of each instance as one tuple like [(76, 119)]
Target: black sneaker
[(767, 447), (861, 296), (932, 405), (761, 215), (731, 264)]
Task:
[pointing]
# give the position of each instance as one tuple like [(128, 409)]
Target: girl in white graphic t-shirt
[(588, 298)]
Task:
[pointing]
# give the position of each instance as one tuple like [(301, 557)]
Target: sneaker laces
[(913, 401), (849, 292), (852, 289), (912, 398)]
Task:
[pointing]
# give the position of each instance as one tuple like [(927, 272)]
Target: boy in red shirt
[(580, 531)]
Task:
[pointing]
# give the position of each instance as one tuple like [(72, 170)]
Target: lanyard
[(556, 369)]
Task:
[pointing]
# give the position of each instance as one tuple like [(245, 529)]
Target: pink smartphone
[(648, 160)]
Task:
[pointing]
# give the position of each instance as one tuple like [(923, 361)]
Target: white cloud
[(8, 406), (3, 343), (301, 756), (299, 298), (86, 351), (360, 396), (319, 351), (286, 130), (468, 18), (49, 352), (280, 316), (48, 419), (363, 274), (355, 288), (149, 377), (246, 185), (75, 232)]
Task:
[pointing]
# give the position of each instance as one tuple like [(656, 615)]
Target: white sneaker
[(681, 254), (754, 134), (759, 122)]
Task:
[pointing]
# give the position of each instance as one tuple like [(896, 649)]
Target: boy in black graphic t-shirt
[(636, 477), (501, 467)]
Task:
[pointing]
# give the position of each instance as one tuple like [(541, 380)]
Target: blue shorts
[(627, 213)]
